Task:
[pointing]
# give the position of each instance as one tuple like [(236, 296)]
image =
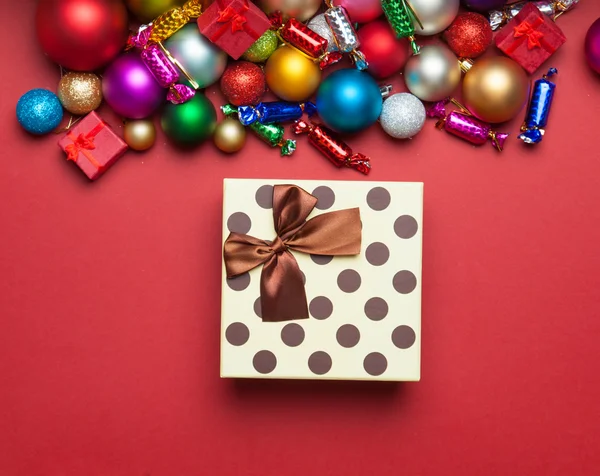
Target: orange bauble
[(291, 75)]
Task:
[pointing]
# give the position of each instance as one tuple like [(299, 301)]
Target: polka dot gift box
[(363, 308)]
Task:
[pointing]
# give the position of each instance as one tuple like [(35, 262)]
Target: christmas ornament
[(320, 26), (130, 89), (551, 8), (344, 34), (592, 46), (462, 124), (401, 18), (39, 111), (189, 124), (402, 116), (168, 23), (147, 10), (243, 83), (203, 61), (80, 93), (337, 151), (229, 136), (82, 35), (271, 134), (533, 129), (484, 5), (291, 75), (275, 112), (301, 10), (385, 53), (349, 101), (434, 15), (165, 72), (433, 74), (469, 35), (495, 89), (362, 11), (139, 135), (262, 48)]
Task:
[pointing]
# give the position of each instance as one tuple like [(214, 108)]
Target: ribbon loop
[(237, 19), (533, 36), (282, 288)]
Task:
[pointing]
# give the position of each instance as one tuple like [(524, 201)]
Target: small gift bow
[(82, 144), (282, 293), (237, 19), (528, 30)]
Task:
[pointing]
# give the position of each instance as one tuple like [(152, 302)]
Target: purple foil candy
[(140, 38), (180, 93), (163, 70)]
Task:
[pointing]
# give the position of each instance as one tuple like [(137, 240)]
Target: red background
[(109, 301)]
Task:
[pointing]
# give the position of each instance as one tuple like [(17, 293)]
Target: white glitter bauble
[(320, 26), (403, 116)]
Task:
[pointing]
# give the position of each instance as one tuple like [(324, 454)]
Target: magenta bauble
[(362, 11), (385, 53), (592, 46)]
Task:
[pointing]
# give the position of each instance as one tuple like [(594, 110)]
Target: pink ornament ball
[(592, 46), (130, 89), (362, 11)]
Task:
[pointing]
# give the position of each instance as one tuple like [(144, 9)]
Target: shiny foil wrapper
[(272, 134), (337, 151), (274, 112), (171, 21), (401, 19), (552, 9), (166, 74), (467, 127), (533, 129), (345, 35)]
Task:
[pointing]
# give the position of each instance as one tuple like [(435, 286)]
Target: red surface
[(109, 301)]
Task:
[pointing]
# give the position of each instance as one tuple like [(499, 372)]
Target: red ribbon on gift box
[(83, 143), (235, 19), (527, 32)]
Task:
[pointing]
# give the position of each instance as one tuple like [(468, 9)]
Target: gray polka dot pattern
[(319, 363), (375, 364), (264, 362), (378, 198), (404, 337), (348, 336), (320, 307), (325, 198), (321, 259), (264, 196), (292, 334), (239, 223), (258, 307), (376, 309), (237, 334), (405, 282), (349, 281), (240, 283), (377, 254), (406, 227)]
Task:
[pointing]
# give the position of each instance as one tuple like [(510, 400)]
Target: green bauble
[(262, 48), (191, 123)]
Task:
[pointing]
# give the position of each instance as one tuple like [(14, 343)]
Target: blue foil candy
[(272, 112), (539, 109)]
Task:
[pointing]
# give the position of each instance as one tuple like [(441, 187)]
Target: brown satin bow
[(282, 292)]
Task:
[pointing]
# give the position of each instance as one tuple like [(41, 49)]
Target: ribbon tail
[(282, 294)]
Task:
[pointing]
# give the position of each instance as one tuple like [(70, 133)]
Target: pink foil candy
[(166, 74), (462, 124), (180, 93), (140, 38)]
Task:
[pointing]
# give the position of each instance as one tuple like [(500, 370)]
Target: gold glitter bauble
[(139, 135), (230, 136), (262, 48), (80, 93)]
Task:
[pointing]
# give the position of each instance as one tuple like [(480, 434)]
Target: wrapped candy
[(166, 74), (338, 152), (539, 109), (344, 34), (462, 124), (272, 134), (305, 40), (273, 112), (553, 9), (401, 18)]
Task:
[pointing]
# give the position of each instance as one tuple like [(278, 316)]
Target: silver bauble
[(435, 15), (433, 74), (402, 116), (204, 61), (320, 26)]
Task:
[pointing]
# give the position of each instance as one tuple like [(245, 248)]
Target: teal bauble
[(349, 101), (191, 123), (39, 111)]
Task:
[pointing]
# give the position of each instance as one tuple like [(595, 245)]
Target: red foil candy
[(338, 152)]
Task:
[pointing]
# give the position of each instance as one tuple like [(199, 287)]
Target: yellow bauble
[(229, 136), (148, 10), (496, 89), (139, 135), (291, 75)]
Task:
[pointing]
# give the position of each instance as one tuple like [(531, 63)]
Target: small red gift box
[(92, 145), (530, 38), (233, 25)]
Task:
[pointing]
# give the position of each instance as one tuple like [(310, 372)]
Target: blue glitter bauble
[(349, 101), (39, 111)]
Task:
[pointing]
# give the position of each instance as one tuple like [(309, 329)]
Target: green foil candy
[(272, 134), (401, 18)]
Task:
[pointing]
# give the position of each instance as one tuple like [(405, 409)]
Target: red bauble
[(385, 53), (469, 35), (82, 35), (243, 83)]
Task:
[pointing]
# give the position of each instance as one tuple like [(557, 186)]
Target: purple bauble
[(130, 89), (592, 46), (484, 5)]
